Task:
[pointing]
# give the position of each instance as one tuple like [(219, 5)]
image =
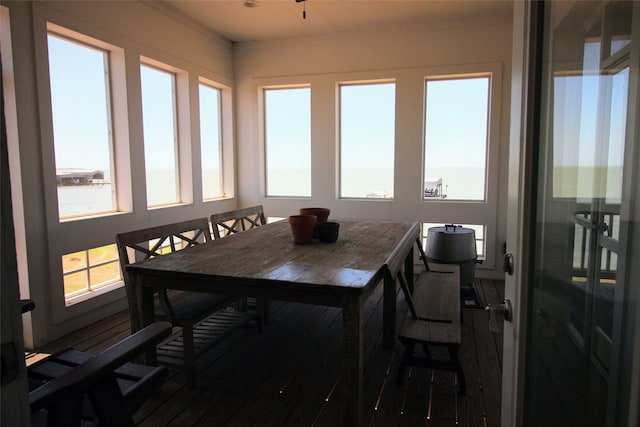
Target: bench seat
[(435, 320)]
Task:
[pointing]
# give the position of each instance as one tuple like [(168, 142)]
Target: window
[(82, 128), (89, 270), (456, 138), (160, 135), (588, 154), (288, 141), (367, 140), (210, 142)]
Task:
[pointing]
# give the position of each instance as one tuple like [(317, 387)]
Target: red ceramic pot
[(321, 213), (302, 227)]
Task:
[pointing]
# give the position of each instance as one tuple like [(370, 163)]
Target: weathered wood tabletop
[(264, 262)]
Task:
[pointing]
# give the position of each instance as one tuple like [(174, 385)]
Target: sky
[(288, 134), (79, 101), (575, 113), (158, 118), (367, 126), (82, 133), (367, 117), (456, 121)]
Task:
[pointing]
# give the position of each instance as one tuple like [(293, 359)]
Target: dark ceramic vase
[(302, 228), (328, 231)]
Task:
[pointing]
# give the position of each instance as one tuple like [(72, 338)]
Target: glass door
[(581, 298)]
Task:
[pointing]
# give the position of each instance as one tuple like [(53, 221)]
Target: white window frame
[(84, 227), (91, 291), (221, 136), (118, 125), (263, 138), (182, 134), (485, 212), (340, 85), (452, 77)]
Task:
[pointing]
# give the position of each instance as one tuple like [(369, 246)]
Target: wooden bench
[(72, 387), (435, 320), (186, 310)]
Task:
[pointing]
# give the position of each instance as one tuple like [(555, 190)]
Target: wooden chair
[(226, 223), (183, 309), (435, 320), (231, 222), (75, 387)]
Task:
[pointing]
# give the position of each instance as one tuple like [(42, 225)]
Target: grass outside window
[(87, 270)]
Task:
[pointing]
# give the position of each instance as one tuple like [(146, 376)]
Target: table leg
[(389, 310), (142, 312), (353, 348)]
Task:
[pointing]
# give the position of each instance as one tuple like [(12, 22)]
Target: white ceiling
[(276, 19)]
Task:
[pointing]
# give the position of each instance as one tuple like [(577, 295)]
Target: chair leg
[(453, 354), (408, 352), (189, 355)]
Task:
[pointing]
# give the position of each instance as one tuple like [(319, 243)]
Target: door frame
[(525, 110), (14, 403), (528, 26)]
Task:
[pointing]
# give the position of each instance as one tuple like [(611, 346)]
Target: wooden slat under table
[(264, 262)]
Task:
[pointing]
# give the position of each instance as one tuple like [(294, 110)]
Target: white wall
[(407, 55), (139, 29)]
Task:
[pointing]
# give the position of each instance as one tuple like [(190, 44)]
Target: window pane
[(104, 274), (103, 254), (210, 147), (86, 270), (288, 141), (74, 261), (456, 132), (75, 283), (574, 132), (160, 141), (367, 139), (81, 127)]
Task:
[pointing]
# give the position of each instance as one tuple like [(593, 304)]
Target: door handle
[(498, 313), (507, 265)]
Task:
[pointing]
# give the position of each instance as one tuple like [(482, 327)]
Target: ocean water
[(355, 183), (82, 199), (457, 184)]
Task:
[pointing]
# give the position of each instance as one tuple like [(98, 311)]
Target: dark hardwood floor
[(289, 375)]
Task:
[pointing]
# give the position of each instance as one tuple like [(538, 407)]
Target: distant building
[(71, 176)]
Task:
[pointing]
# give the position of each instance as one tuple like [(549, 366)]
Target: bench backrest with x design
[(226, 223)]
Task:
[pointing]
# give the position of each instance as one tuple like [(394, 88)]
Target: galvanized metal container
[(454, 244)]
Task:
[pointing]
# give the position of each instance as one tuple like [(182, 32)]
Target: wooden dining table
[(264, 262)]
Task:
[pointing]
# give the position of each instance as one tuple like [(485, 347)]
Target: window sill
[(76, 299), (170, 205), (91, 216)]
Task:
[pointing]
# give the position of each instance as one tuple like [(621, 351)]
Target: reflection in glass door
[(581, 254)]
